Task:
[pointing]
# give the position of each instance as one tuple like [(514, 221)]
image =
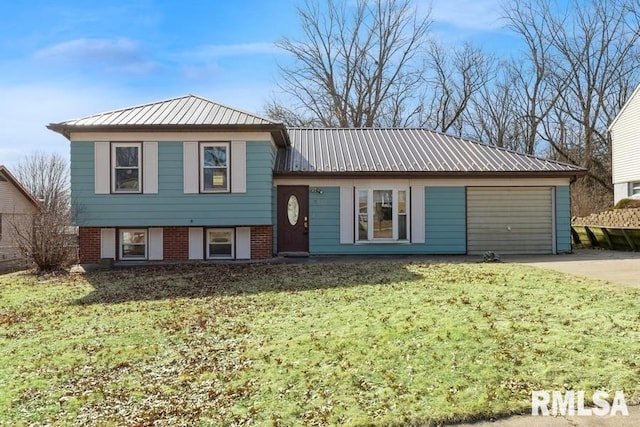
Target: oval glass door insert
[(293, 210)]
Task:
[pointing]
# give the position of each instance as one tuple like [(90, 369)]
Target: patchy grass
[(307, 344)]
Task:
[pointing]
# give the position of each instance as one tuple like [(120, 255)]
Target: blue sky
[(73, 58)]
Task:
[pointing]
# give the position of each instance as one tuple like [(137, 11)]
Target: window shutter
[(417, 214), (150, 167), (196, 243), (347, 215), (190, 167), (238, 167), (108, 243), (156, 243), (102, 164), (243, 243)]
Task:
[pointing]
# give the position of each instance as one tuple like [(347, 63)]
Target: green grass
[(371, 343)]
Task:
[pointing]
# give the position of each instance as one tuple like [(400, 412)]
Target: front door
[(293, 218)]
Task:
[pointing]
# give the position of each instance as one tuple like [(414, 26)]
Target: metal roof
[(185, 110), (360, 151)]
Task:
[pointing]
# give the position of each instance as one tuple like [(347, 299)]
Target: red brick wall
[(89, 241), (175, 243), (261, 242)]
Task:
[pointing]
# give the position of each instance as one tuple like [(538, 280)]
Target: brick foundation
[(89, 241), (175, 243), (261, 242)]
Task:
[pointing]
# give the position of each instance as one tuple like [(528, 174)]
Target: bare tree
[(44, 238), (357, 65), (453, 77)]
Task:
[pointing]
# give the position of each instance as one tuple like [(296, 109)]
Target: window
[(634, 188), (125, 159), (220, 243), (133, 244), (382, 214), (214, 170)]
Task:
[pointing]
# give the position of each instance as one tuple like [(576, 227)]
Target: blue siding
[(563, 219), (445, 227), (445, 219), (171, 206)]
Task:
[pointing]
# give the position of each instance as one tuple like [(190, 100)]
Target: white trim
[(146, 243), (156, 243), (226, 146), (238, 167), (196, 243), (432, 182), (417, 214), (101, 168), (114, 147), (243, 243), (190, 167), (232, 241), (370, 213), (150, 167), (108, 243), (170, 136), (346, 215)]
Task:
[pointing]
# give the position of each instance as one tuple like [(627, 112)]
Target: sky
[(68, 59)]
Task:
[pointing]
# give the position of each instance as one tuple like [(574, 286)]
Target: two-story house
[(190, 179), (625, 149)]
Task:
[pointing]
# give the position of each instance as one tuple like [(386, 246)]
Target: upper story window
[(214, 167), (126, 164), (382, 214)]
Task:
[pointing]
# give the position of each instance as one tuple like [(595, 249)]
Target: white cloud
[(119, 55), (468, 14)]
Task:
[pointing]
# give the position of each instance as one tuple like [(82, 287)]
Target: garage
[(510, 220)]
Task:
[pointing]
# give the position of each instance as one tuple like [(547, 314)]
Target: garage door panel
[(509, 220)]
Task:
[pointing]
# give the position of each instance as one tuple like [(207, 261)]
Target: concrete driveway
[(613, 266)]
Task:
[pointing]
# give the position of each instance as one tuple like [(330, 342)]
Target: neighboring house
[(17, 206), (625, 149), (190, 179)]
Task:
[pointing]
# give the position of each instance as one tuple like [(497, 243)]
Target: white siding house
[(16, 205), (625, 148)]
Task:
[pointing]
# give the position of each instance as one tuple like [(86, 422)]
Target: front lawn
[(370, 343)]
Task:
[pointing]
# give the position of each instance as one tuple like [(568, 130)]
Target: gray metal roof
[(403, 151), (186, 110)]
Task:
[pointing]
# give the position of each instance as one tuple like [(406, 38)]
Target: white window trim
[(633, 186), (394, 201), (115, 145), (233, 243), (204, 145), (146, 243)]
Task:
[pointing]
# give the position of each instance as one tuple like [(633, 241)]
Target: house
[(17, 205), (190, 179), (625, 149)]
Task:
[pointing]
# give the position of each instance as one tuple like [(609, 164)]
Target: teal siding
[(563, 219), (445, 219), (445, 227), (171, 206)]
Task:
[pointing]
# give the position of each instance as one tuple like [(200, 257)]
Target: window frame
[(634, 188), (207, 248), (113, 167), (394, 216), (201, 167), (121, 254)]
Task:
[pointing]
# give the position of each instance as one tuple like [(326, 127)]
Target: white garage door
[(509, 220)]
